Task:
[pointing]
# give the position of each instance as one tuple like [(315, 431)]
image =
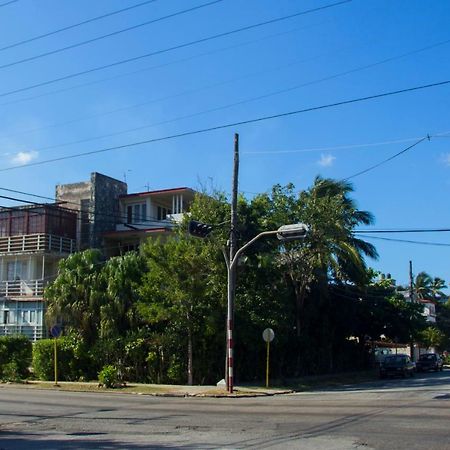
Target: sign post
[(268, 335), (55, 332)]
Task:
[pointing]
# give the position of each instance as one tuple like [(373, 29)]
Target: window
[(32, 316), (136, 213), (162, 213), (17, 270), (6, 317)]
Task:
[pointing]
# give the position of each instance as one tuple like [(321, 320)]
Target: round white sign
[(268, 335)]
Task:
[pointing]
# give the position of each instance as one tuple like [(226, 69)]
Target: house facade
[(32, 241), (97, 213), (146, 214)]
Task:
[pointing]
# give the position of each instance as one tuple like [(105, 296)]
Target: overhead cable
[(75, 25), (104, 36), (157, 66), (428, 137), (229, 125), (169, 49), (407, 241), (8, 3), (229, 105)]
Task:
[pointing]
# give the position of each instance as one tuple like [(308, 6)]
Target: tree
[(174, 290), (77, 293), (422, 285), (330, 251), (432, 337), (121, 277)]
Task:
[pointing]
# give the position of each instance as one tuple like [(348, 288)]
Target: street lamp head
[(292, 232)]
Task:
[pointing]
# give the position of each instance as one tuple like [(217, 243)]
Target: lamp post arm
[(225, 257), (233, 263)]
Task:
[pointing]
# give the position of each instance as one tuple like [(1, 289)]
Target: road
[(388, 414)]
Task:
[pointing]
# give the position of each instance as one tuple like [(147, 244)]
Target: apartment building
[(97, 213), (32, 241)]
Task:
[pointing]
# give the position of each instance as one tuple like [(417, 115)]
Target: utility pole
[(232, 268), (412, 298), (411, 283)]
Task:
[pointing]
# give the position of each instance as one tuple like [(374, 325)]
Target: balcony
[(28, 243), (32, 332), (22, 288)]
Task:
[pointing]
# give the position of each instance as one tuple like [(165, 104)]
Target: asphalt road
[(389, 414)]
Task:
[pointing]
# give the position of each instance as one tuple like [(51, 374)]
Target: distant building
[(96, 203), (33, 239), (97, 213), (146, 214)]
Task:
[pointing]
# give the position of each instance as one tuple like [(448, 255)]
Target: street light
[(284, 233)]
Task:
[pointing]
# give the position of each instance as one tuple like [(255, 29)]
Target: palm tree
[(422, 285), (436, 287), (331, 251)]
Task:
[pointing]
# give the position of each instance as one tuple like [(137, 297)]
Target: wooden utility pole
[(232, 268), (411, 283)]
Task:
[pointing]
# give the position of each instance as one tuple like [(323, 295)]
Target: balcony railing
[(16, 288), (36, 243), (33, 332)]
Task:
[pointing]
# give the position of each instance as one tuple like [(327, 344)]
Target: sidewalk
[(164, 390)]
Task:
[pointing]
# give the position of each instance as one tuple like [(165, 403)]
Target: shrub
[(15, 357), (73, 360), (10, 372), (109, 376)]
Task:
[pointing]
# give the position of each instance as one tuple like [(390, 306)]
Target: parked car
[(397, 365), (429, 361)]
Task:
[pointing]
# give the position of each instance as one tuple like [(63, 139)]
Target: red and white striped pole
[(230, 368), (232, 267)]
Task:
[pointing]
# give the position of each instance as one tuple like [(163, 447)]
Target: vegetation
[(15, 357), (159, 316)]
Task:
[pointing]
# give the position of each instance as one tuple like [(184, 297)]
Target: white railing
[(29, 288), (36, 243), (32, 332)]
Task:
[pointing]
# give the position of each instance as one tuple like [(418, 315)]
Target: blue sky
[(288, 65)]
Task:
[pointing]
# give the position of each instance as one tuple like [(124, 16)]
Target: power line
[(114, 33), (75, 25), (406, 241), (169, 49), (158, 66), (387, 159), (405, 230), (90, 212), (229, 125), (125, 108), (329, 148), (251, 99), (8, 3)]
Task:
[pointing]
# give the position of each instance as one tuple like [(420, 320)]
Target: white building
[(32, 241)]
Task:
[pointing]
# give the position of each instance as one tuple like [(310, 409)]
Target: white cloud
[(326, 160), (445, 158), (24, 157)]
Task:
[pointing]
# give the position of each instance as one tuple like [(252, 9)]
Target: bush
[(73, 360), (15, 357), (109, 376), (10, 372)]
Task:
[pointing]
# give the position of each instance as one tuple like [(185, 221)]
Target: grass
[(306, 383)]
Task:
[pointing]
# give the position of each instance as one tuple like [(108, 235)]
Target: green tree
[(174, 290), (331, 251), (121, 277), (432, 337), (76, 295), (422, 285)]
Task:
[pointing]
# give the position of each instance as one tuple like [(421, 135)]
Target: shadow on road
[(15, 440), (422, 379)]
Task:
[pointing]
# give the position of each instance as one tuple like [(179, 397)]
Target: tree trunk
[(190, 364)]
